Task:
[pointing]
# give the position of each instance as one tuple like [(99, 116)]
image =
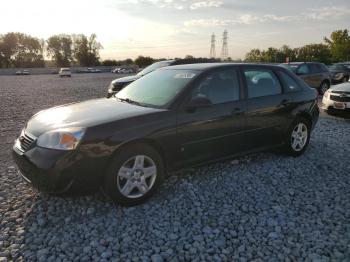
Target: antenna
[(224, 50), (212, 47)]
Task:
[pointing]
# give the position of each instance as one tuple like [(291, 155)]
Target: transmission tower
[(224, 50), (212, 47)]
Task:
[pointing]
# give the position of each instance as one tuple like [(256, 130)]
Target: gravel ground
[(261, 207)]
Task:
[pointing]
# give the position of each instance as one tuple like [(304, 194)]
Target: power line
[(224, 50), (212, 47)]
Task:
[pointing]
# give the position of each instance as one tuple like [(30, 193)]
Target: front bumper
[(44, 169), (328, 104)]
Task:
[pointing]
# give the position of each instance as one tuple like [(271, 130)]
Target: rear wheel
[(298, 137), (323, 87), (134, 175)]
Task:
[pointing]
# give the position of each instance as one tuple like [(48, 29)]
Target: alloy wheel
[(136, 176), (299, 137)]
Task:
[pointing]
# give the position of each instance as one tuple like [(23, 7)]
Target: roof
[(206, 66)]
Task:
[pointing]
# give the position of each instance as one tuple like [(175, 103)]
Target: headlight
[(338, 75), (62, 139)]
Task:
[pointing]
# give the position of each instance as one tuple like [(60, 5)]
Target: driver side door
[(215, 131)]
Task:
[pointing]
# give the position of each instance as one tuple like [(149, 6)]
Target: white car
[(65, 72), (337, 98)]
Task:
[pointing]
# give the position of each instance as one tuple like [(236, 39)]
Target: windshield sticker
[(184, 75)]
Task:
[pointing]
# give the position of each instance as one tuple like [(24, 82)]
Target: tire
[(294, 133), (129, 183), (323, 87)]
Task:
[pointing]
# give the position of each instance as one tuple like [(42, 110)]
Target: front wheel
[(134, 175), (323, 87), (298, 137)]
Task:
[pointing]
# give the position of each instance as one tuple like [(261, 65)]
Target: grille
[(26, 141), (340, 98), (341, 92)]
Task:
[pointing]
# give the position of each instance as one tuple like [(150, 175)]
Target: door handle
[(284, 102), (237, 111)]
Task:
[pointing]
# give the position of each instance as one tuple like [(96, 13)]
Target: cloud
[(204, 4), (317, 14)]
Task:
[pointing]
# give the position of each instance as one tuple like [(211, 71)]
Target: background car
[(170, 119), (337, 99), (314, 74), (340, 72), (25, 72), (118, 84), (65, 72)]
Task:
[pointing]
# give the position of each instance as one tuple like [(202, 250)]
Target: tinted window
[(262, 83), (303, 69), (316, 68), (158, 87), (290, 83), (220, 86)]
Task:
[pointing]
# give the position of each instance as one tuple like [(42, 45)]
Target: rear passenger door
[(304, 72), (316, 76), (267, 107)]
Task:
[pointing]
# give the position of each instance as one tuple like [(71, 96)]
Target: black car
[(172, 118), (118, 84), (340, 72), (314, 74)]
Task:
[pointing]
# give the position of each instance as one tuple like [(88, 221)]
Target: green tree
[(314, 53), (86, 50), (20, 50), (339, 44), (143, 61), (59, 47), (253, 55)]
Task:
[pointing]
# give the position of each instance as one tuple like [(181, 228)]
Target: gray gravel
[(261, 207)]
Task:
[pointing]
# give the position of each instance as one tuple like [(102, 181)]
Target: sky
[(176, 28)]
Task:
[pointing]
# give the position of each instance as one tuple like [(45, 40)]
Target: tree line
[(332, 50), (22, 50)]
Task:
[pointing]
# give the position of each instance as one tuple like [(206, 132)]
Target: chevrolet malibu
[(170, 119)]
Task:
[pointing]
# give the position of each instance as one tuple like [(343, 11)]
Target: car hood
[(125, 79), (345, 87), (84, 114)]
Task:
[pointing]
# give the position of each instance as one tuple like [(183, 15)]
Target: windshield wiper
[(129, 101)]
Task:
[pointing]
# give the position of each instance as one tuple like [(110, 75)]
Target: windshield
[(337, 67), (157, 88), (290, 67), (153, 67)]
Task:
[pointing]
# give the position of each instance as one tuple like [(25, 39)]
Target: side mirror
[(199, 101)]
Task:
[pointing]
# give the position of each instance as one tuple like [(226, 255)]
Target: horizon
[(169, 28)]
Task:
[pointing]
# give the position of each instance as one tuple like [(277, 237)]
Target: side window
[(315, 68), (303, 69), (219, 87), (291, 84), (262, 83)]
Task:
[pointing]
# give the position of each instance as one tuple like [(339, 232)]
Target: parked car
[(172, 118), (340, 72), (337, 98), (25, 72), (65, 72), (118, 84), (19, 72), (314, 74), (92, 70)]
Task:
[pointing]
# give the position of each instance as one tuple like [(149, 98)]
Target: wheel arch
[(143, 141)]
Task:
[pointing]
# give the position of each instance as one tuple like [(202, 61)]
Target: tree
[(253, 55), (143, 61), (59, 47), (339, 44), (86, 50), (20, 50), (314, 53), (110, 62)]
